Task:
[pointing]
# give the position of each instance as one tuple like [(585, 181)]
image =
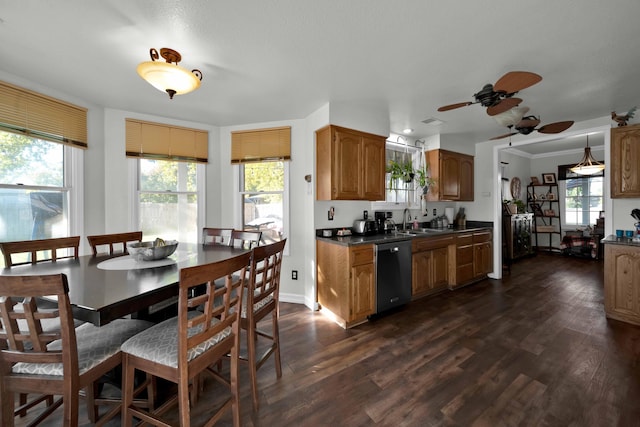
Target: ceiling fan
[(528, 124), (498, 98)]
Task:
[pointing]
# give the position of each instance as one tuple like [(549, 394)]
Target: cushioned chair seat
[(159, 343), (257, 306), (95, 345)]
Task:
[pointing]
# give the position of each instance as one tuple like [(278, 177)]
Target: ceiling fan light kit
[(168, 76)]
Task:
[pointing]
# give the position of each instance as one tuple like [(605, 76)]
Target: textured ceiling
[(283, 59)]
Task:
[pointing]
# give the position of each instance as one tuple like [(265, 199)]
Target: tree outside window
[(262, 186)]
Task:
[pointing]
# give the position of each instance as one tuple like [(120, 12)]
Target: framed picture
[(535, 208), (551, 196), (535, 180), (549, 212), (549, 178)]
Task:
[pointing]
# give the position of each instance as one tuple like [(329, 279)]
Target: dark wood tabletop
[(100, 295)]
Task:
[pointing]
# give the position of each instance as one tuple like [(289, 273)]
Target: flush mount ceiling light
[(588, 165), (407, 130), (169, 76)]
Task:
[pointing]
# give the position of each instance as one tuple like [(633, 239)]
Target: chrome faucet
[(404, 218)]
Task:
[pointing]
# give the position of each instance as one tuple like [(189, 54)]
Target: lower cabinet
[(622, 282), (431, 269), (346, 281), (474, 256)]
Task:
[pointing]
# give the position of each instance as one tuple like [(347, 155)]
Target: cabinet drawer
[(481, 237), (464, 239), (362, 255), (428, 243)]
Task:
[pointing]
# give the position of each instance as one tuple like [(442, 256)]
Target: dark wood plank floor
[(532, 349)]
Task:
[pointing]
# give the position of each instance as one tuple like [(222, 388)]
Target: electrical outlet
[(294, 274), (435, 212)]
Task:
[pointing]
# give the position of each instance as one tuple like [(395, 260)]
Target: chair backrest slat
[(245, 239), (18, 296), (34, 246), (216, 236), (114, 239), (223, 303), (264, 279)]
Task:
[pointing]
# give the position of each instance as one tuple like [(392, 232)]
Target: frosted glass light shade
[(168, 77), (511, 117)]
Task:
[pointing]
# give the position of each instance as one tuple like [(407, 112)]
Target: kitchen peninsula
[(441, 259), (622, 279)]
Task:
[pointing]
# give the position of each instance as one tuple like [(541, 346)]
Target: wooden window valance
[(39, 116), (149, 140), (261, 144)]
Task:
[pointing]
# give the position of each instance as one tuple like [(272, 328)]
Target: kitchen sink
[(418, 231)]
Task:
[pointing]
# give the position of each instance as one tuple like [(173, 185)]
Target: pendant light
[(588, 165), (169, 76)]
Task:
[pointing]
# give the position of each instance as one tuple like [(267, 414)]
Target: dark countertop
[(394, 237), (624, 241)]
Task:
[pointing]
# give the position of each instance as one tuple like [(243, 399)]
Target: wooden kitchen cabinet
[(346, 281), (482, 254), (350, 165), (622, 282), (453, 175), (625, 162), (474, 256), (431, 270)]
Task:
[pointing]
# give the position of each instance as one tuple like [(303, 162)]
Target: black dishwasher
[(393, 274)]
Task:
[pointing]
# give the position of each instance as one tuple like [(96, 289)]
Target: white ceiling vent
[(432, 121)]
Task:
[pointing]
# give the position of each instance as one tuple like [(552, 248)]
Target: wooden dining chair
[(181, 348), (54, 363), (261, 300), (116, 239), (245, 239), (216, 236), (35, 247)]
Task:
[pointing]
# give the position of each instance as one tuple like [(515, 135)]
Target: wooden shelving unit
[(543, 201)]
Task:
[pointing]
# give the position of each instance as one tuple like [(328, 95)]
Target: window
[(583, 200), (35, 192), (168, 199), (263, 198)]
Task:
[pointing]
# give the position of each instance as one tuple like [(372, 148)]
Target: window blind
[(159, 141), (30, 113), (261, 144)]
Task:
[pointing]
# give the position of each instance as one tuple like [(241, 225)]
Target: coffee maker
[(384, 221)]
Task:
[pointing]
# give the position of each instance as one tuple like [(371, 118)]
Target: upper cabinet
[(625, 162), (350, 165), (453, 174)]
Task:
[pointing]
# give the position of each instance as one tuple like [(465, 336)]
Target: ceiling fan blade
[(503, 136), (556, 127), (454, 106), (515, 81), (503, 105)]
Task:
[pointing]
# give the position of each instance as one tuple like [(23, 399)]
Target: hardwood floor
[(532, 349)]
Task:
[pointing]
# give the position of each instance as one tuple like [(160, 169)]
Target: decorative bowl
[(150, 251)]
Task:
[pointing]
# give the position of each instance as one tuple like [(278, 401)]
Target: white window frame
[(73, 169), (238, 214), (134, 196), (563, 190), (389, 203)]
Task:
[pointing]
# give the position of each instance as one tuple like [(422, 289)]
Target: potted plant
[(423, 179)]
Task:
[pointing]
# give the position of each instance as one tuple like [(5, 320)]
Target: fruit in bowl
[(150, 251)]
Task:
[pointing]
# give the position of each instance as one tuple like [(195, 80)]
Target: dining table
[(103, 288)]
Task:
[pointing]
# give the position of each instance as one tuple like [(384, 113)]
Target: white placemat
[(128, 263)]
